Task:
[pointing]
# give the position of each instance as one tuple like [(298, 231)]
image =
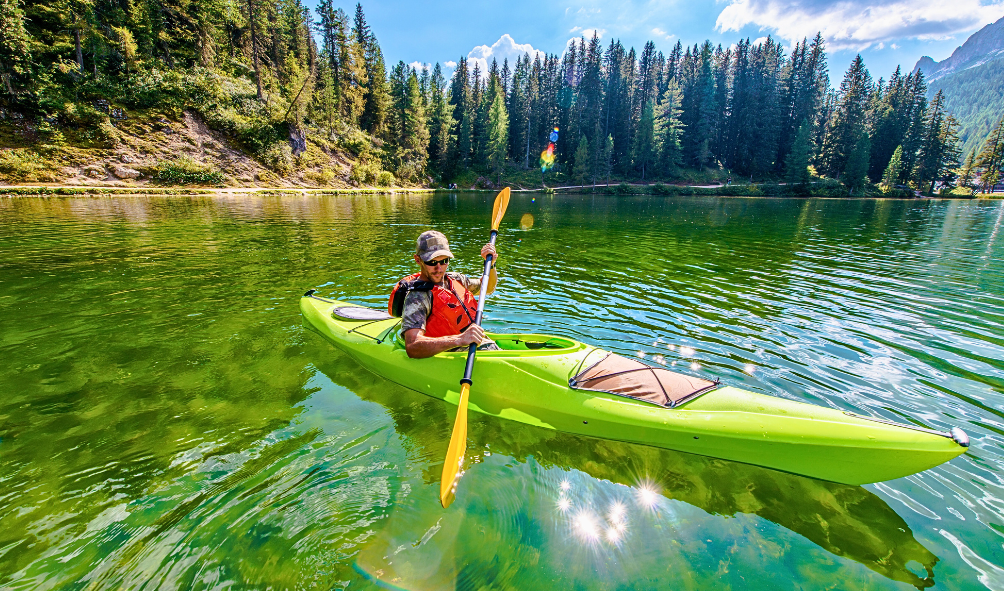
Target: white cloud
[(450, 64), (504, 48), (419, 65), (660, 33), (588, 33), (859, 24), (574, 29), (759, 41)]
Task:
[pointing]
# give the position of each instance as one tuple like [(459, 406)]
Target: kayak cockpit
[(531, 342)]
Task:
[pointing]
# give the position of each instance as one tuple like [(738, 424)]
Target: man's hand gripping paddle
[(458, 441)]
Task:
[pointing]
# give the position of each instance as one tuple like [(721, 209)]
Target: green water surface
[(167, 423)]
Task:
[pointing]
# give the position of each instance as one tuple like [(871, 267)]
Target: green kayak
[(558, 383)]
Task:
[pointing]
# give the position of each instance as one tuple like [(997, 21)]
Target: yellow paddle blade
[(458, 444), (501, 203)]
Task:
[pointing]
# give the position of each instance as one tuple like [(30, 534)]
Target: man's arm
[(420, 346)]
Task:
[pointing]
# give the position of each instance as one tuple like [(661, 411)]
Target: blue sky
[(886, 33)]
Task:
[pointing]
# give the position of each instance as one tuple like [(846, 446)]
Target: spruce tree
[(606, 162), (856, 174), (968, 170), (930, 160), (797, 163), (440, 119), (669, 130), (891, 176), (415, 136), (498, 134), (991, 157), (847, 124), (580, 170), (644, 140)]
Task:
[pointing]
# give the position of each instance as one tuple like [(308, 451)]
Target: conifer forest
[(282, 81)]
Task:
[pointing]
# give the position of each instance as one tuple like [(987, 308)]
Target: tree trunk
[(80, 50), (526, 160), (254, 49)]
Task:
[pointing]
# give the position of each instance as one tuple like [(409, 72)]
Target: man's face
[(436, 268)]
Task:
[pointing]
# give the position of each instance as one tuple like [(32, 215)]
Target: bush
[(364, 173), (385, 179), (356, 142), (320, 178), (185, 171), (20, 165)]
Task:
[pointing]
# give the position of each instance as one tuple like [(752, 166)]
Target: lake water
[(167, 423)]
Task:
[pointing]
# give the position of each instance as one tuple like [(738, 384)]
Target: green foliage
[(580, 171), (856, 173), (185, 171), (644, 146), (21, 165), (797, 164), (975, 97), (891, 176), (498, 138), (252, 71), (385, 178)]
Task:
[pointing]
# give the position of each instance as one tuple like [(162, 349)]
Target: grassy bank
[(45, 191)]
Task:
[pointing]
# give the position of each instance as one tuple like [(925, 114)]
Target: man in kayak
[(438, 309)]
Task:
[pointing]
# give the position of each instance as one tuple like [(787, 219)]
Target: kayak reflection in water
[(436, 307)]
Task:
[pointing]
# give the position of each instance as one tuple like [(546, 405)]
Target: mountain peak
[(982, 46)]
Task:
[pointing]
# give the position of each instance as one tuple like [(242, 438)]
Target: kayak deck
[(528, 381)]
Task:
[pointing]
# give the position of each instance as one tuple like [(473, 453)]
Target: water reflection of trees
[(848, 521)]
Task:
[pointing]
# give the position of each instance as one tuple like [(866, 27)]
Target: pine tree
[(498, 133), (991, 157), (440, 119), (606, 158), (644, 140), (891, 176), (329, 105), (797, 163), (15, 60), (848, 122), (415, 138), (669, 130), (930, 160), (968, 169), (856, 174), (580, 170)]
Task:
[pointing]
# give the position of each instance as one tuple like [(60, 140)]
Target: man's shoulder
[(464, 280)]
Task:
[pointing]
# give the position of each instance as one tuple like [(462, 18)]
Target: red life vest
[(453, 307)]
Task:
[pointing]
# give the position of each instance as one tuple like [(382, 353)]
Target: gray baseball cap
[(432, 245)]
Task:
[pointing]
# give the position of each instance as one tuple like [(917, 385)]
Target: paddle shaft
[(472, 350)]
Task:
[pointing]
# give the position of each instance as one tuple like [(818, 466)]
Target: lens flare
[(564, 504), (695, 366), (547, 156), (526, 222), (750, 368), (566, 485), (586, 526), (616, 514), (647, 495)]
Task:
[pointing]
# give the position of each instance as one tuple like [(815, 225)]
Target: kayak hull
[(531, 386)]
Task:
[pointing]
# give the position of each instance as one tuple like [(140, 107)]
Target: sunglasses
[(437, 263)]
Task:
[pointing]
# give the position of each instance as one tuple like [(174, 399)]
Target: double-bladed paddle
[(458, 441)]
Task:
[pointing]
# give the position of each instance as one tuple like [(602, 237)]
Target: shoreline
[(761, 190)]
